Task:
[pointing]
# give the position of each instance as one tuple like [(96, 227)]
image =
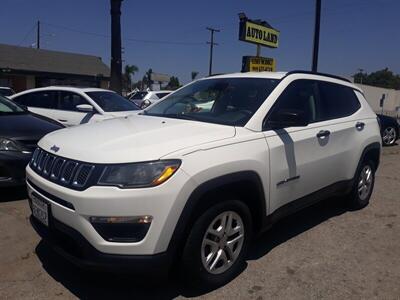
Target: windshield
[(112, 102), (228, 101), (138, 96), (9, 107)]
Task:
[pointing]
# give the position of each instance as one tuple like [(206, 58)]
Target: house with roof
[(24, 68)]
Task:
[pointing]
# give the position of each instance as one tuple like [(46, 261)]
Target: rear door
[(306, 159), (42, 102)]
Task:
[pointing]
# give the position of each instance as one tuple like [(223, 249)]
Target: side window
[(336, 101), (69, 101), (45, 99), (23, 99), (300, 95)]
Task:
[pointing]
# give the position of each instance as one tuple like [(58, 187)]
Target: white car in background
[(73, 106), (145, 98)]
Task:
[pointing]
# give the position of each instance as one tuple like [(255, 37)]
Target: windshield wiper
[(180, 116)]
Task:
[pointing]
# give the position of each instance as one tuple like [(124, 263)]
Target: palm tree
[(130, 71), (148, 77), (194, 75)]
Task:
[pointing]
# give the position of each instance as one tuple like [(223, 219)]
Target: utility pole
[(211, 42), (116, 57), (314, 67), (38, 35)]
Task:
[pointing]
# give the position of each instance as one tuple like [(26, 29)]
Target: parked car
[(175, 186), (6, 91), (20, 131), (390, 130), (73, 106), (144, 99)]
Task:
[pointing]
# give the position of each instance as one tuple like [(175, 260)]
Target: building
[(389, 106), (24, 68)]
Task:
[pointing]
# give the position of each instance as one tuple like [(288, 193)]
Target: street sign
[(157, 77), (260, 33), (258, 64)]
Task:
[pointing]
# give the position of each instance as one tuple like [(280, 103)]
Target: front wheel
[(217, 244), (363, 185)]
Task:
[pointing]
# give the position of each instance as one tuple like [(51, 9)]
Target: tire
[(201, 243), (363, 185), (389, 136)]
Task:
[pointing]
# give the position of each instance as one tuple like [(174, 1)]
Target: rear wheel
[(389, 136), (217, 244), (363, 185)]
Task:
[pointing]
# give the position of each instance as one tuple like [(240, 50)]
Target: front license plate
[(40, 210)]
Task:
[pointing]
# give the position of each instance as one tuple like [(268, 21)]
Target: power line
[(126, 39), (27, 35)]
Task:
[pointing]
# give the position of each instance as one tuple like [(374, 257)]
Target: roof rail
[(316, 73)]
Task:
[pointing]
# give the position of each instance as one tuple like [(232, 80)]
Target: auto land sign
[(258, 34), (258, 64)]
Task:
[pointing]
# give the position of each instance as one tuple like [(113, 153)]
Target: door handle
[(360, 125), (62, 120), (323, 134)]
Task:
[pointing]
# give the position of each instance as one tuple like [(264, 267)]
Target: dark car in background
[(6, 91), (20, 131), (390, 129)]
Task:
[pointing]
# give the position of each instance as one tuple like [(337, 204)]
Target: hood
[(132, 139), (25, 127)]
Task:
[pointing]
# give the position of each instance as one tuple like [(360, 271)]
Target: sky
[(170, 36)]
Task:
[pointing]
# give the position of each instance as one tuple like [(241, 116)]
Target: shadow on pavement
[(13, 194), (296, 224), (88, 285)]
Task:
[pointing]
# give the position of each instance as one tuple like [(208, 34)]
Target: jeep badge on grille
[(55, 148)]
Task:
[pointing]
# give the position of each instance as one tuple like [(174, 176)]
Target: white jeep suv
[(186, 184)]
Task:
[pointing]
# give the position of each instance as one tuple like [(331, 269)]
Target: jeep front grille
[(63, 171)]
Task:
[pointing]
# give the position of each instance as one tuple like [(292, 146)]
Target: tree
[(149, 81), (194, 75), (173, 83), (130, 71), (382, 78)]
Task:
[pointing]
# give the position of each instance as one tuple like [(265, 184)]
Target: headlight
[(8, 145), (137, 175)]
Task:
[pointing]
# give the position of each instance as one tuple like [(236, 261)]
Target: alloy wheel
[(389, 136), (222, 242), (365, 182)]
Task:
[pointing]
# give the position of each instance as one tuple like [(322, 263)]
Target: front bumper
[(71, 245), (74, 209), (12, 168)]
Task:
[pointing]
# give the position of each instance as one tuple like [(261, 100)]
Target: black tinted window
[(336, 101), (69, 101), (161, 95), (299, 96), (45, 99), (112, 102)]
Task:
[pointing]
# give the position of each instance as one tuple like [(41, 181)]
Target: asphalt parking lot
[(323, 252)]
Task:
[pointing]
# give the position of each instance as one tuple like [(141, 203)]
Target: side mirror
[(84, 108), (287, 118)]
